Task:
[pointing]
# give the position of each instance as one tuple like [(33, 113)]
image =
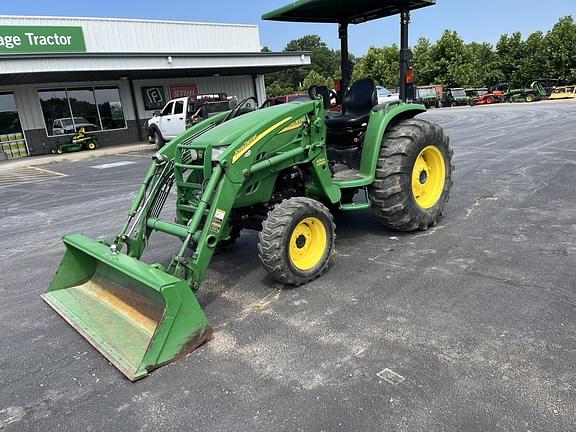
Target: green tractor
[(277, 170), (531, 92)]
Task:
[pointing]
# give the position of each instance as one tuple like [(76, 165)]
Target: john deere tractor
[(276, 170)]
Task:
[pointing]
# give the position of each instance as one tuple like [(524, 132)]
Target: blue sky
[(474, 20)]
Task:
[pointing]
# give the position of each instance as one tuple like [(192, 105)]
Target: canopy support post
[(407, 91), (345, 65)]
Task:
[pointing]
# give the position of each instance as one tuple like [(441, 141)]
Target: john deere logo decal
[(255, 139), (294, 125)]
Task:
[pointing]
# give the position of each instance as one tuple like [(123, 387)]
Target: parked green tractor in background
[(277, 170), (531, 92)]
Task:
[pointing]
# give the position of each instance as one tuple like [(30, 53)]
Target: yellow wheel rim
[(308, 244), (428, 177), (91, 146)]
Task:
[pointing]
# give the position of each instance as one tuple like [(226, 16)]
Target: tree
[(423, 62), (559, 50), (451, 63), (511, 50), (314, 78), (380, 64), (324, 62), (485, 65), (533, 64)]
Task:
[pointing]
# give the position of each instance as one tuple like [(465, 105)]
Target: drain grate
[(27, 175)]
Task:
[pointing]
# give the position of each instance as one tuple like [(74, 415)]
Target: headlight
[(193, 154), (218, 151)]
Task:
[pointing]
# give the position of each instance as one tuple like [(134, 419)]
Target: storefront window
[(56, 112), (12, 142), (84, 111), (68, 110), (9, 120), (110, 108)]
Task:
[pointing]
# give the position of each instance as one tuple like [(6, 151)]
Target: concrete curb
[(81, 155)]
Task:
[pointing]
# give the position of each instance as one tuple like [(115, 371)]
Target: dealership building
[(110, 75)]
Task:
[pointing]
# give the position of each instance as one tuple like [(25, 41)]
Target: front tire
[(158, 140), (414, 176), (297, 241)]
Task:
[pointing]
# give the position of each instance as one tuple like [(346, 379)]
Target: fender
[(382, 117)]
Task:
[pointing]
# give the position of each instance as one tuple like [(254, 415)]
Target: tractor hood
[(254, 123)]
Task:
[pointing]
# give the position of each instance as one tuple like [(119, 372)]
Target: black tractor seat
[(356, 107)]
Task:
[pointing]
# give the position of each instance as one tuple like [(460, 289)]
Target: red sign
[(180, 91)]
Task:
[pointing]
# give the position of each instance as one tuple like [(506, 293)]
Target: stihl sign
[(179, 91)]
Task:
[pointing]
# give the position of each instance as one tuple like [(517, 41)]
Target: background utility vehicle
[(453, 97), (277, 170), (428, 96)]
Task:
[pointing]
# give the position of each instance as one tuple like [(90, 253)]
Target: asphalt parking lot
[(470, 326)]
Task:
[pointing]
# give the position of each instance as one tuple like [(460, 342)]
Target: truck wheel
[(414, 176), (297, 241), (158, 140)]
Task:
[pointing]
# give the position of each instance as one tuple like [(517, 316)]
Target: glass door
[(12, 140)]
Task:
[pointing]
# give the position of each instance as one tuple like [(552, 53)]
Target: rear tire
[(297, 241), (414, 176)]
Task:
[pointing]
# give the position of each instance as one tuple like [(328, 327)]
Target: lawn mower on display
[(80, 141), (277, 170)]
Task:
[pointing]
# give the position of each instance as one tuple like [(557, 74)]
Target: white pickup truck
[(182, 113)]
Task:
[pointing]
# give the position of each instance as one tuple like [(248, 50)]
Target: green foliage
[(449, 61), (314, 78), (423, 63), (485, 63), (511, 51), (559, 47), (324, 63), (380, 64)]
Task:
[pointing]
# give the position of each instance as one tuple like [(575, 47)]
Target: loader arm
[(139, 315)]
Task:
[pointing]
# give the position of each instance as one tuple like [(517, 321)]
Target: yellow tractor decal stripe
[(294, 125), (255, 139)]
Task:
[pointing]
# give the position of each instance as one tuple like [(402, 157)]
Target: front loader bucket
[(136, 315)]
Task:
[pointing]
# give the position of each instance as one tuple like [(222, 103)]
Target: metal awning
[(30, 69), (343, 11)]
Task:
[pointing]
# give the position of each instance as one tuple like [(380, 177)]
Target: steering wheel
[(236, 110), (326, 93)]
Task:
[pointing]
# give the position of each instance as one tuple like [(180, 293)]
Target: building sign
[(154, 98), (179, 91), (41, 39)]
